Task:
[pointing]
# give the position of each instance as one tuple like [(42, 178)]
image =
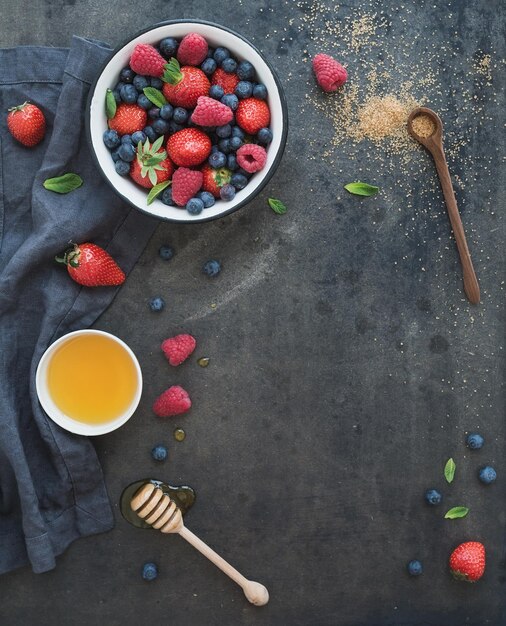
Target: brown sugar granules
[(381, 117), (423, 126)]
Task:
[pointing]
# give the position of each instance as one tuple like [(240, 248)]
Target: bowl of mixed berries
[(187, 121)]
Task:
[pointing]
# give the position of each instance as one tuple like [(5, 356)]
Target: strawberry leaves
[(361, 189), (110, 104), (155, 96), (172, 72), (450, 470), (277, 206), (456, 512), (150, 158), (63, 184), (157, 189)]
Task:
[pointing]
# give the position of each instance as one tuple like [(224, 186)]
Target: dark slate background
[(346, 365)]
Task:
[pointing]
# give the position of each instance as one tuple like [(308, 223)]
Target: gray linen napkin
[(51, 485)]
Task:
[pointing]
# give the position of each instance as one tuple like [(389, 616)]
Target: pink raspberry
[(251, 157), (192, 49), (173, 401), (210, 112), (177, 349), (185, 184), (329, 73), (147, 61)]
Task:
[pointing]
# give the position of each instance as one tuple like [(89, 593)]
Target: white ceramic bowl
[(65, 421), (215, 35)]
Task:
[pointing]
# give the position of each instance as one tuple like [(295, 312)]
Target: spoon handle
[(255, 592), (471, 286)]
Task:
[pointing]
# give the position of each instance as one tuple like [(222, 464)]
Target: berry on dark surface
[(122, 167), (264, 136), (140, 83), (149, 571), (166, 112), (224, 131), (239, 181), (139, 135), (216, 92), (195, 206), (157, 304), (208, 66), (433, 497), (212, 268), (159, 453), (227, 192), (474, 441), (129, 94), (487, 475), (229, 65), (111, 139), (245, 70), (144, 102), (126, 75), (217, 160), (180, 115), (127, 152), (166, 197), (166, 252), (161, 126), (230, 100), (207, 198), (168, 47), (415, 568), (220, 54), (244, 89), (260, 91)]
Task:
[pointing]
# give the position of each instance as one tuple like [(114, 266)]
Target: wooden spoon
[(434, 144), (158, 510)]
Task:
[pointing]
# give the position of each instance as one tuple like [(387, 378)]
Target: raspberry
[(173, 401), (147, 61), (329, 73), (185, 184), (192, 49), (210, 112), (251, 157), (177, 349), (252, 114)]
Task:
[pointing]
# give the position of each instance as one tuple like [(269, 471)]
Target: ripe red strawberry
[(147, 61), (192, 49), (215, 179), (251, 157), (27, 124), (128, 119), (330, 74), (252, 114), (225, 80), (152, 165), (177, 349), (184, 85), (189, 147), (185, 184), (173, 401), (91, 266), (210, 112), (467, 561)]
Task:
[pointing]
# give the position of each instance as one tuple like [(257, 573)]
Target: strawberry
[(252, 114), (128, 119), (185, 184), (329, 73), (189, 147), (467, 561), (27, 124), (147, 61), (184, 85), (210, 112), (173, 401), (251, 157), (152, 165), (192, 49), (215, 179), (225, 80), (177, 349), (91, 266)]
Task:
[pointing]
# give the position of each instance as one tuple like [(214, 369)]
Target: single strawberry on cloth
[(51, 484)]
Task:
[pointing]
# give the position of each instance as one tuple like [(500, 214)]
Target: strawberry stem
[(172, 72), (18, 107)]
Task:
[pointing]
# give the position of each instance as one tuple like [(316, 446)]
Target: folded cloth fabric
[(51, 485)]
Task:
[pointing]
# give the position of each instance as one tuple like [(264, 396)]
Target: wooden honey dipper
[(159, 511)]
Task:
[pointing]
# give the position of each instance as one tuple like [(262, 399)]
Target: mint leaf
[(456, 512), (155, 95), (450, 470), (63, 184), (361, 189), (157, 189), (277, 206), (110, 104)]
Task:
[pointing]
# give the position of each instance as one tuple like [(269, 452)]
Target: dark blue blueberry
[(208, 66), (217, 160), (214, 148), (244, 89), (111, 139), (433, 497), (235, 143), (227, 192), (231, 162), (168, 47), (229, 65), (155, 82), (487, 474), (415, 568), (115, 156), (245, 70), (126, 75), (180, 115), (260, 91), (117, 96), (237, 131), (121, 167), (195, 206), (149, 571), (264, 136), (161, 126), (474, 441), (243, 172), (167, 197), (210, 53), (207, 198), (119, 85), (239, 181), (166, 252), (230, 100), (138, 136), (224, 131), (159, 453), (126, 139), (144, 102), (154, 113), (156, 304), (141, 82), (150, 133), (174, 127), (216, 92), (212, 267), (220, 54), (127, 152), (224, 145), (166, 112)]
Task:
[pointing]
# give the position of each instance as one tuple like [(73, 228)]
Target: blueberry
[(119, 85), (174, 128), (150, 133), (149, 571), (415, 568), (126, 75), (195, 206), (208, 66), (207, 198), (224, 131), (167, 197), (166, 252), (161, 126), (155, 82), (217, 159), (487, 474), (166, 112), (212, 267), (214, 149), (210, 53), (180, 115), (140, 83), (239, 181), (116, 94), (235, 143), (156, 304), (159, 453), (230, 100), (127, 152), (115, 155), (227, 192), (243, 172), (433, 497), (237, 131), (154, 113), (216, 92), (224, 145), (260, 91), (126, 139), (229, 65), (168, 47), (144, 102), (264, 136), (232, 163), (244, 89), (245, 70), (474, 441), (121, 167), (220, 54), (138, 136), (111, 139)]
